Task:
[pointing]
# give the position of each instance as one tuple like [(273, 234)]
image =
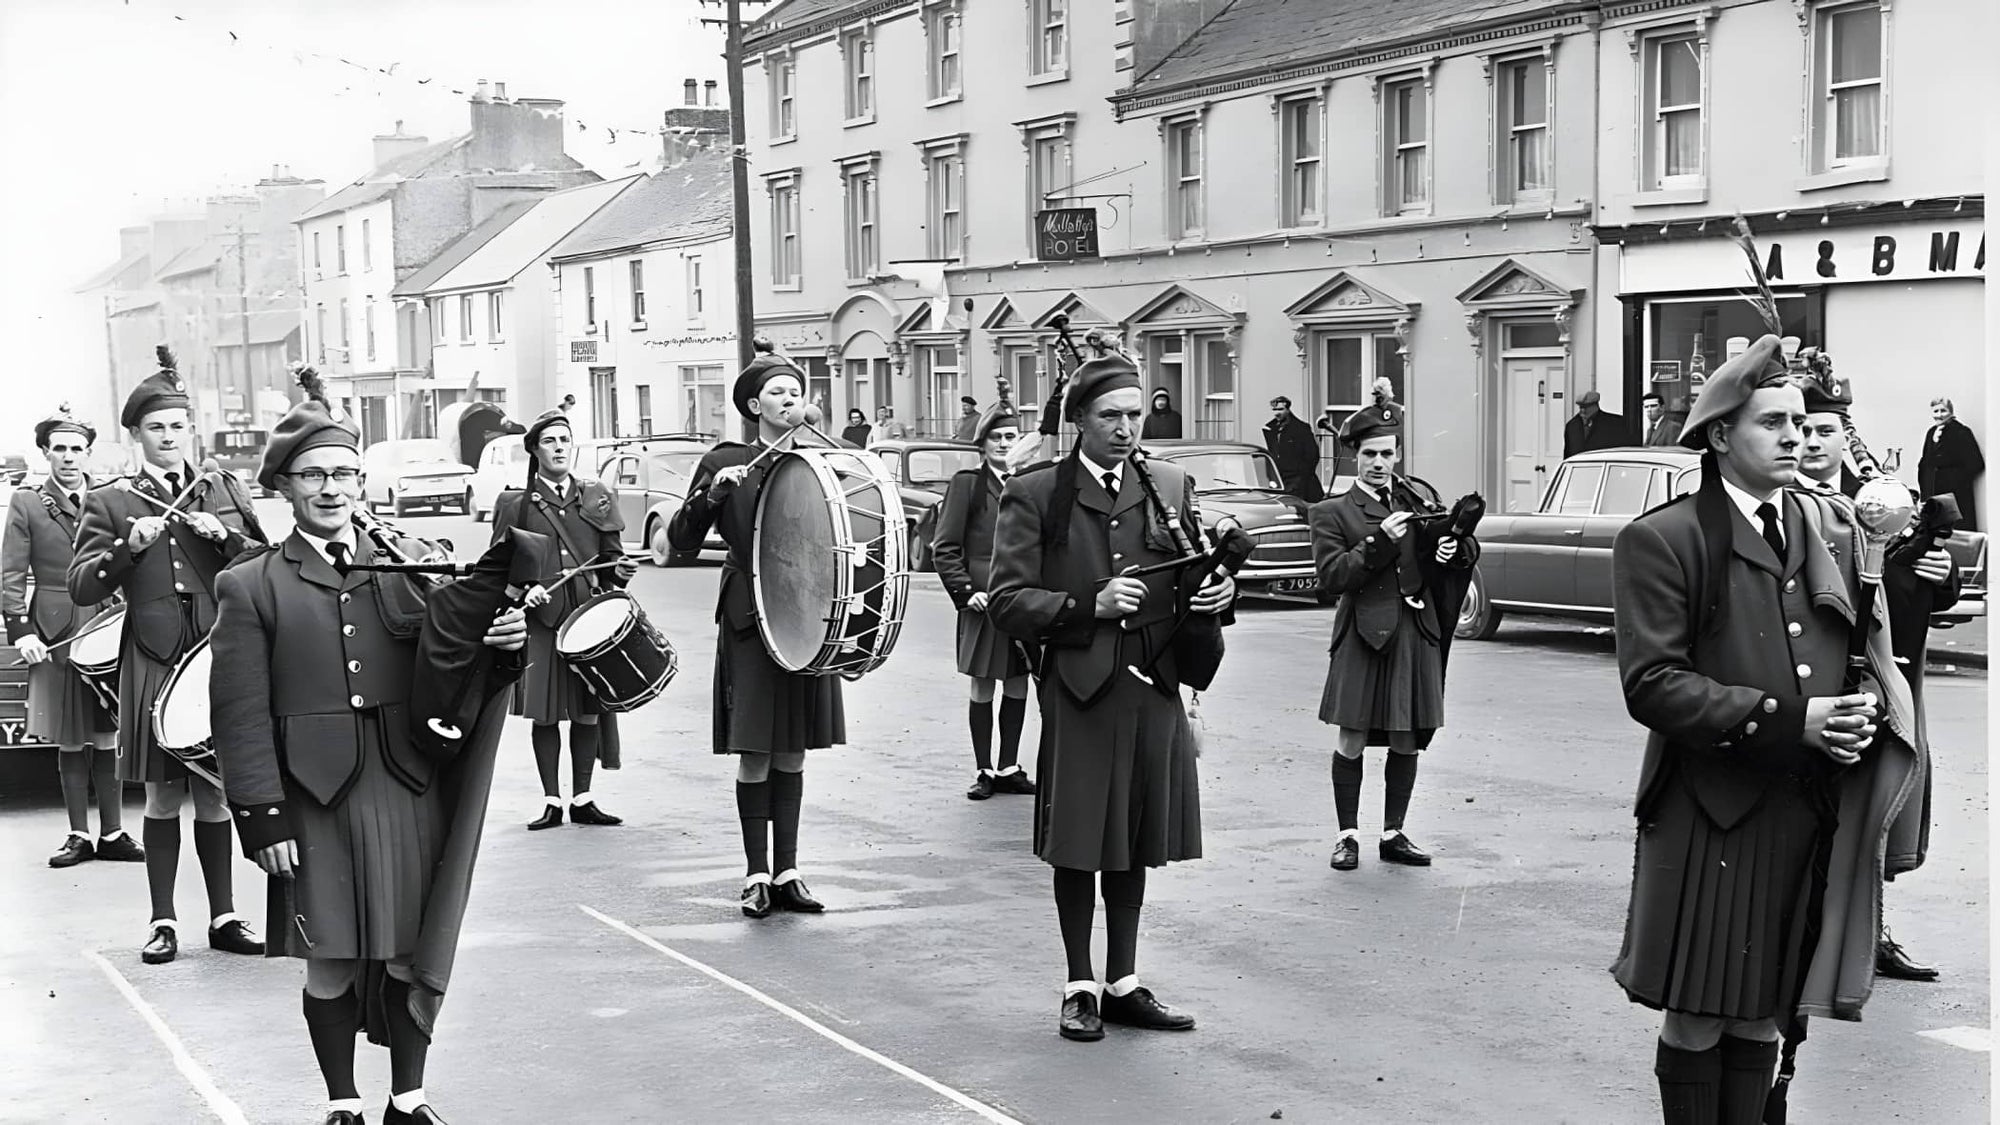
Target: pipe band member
[(165, 569), (581, 515), (963, 552), (764, 715), (1385, 676), (39, 546), (1118, 786)]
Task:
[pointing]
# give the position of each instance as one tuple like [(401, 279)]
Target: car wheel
[(1478, 619), (656, 542)]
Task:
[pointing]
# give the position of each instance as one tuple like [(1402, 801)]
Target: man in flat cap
[(1591, 428), (164, 565), (1737, 608), (968, 420), (39, 546), (1293, 447), (1118, 790), (311, 697), (581, 515)]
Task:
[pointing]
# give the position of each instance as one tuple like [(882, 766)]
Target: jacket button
[(1804, 671), (354, 700), (177, 564), (1115, 556), (1795, 629), (100, 574), (1770, 705), (354, 666), (347, 630), (345, 598), (1114, 523), (1791, 584), (179, 587), (117, 542), (1750, 727)]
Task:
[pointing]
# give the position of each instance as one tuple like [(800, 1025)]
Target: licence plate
[(1295, 586)]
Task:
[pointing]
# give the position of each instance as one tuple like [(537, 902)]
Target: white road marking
[(981, 1108), (1963, 1037), (219, 1103)]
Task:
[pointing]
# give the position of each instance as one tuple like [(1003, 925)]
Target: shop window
[(704, 398), (1345, 366), (1197, 370), (1688, 339)]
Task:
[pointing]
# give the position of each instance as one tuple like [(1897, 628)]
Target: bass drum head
[(797, 576), (180, 715), (96, 645), (594, 625)]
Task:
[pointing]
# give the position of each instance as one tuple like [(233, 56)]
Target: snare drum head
[(180, 716), (96, 644), (796, 567), (594, 624)]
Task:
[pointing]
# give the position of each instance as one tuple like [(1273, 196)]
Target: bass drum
[(181, 723), (609, 644), (94, 653), (830, 562)]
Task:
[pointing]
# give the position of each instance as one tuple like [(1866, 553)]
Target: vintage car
[(409, 473), (922, 469), (651, 477), (1557, 561), (1236, 479)]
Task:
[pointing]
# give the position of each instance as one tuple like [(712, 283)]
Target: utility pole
[(739, 178), (243, 315)]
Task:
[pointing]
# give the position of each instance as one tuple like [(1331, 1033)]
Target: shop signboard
[(1895, 252)]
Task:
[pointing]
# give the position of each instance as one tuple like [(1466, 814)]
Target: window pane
[(1682, 151), (1579, 489), (1389, 365), (1343, 372), (1221, 376), (1625, 489), (1413, 176), (1528, 148), (1533, 336), (1680, 73), (1410, 115), (1531, 93), (1857, 43), (1858, 122)]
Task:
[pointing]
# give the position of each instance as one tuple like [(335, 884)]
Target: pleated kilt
[(61, 707), (1116, 782), (548, 691), (1399, 688), (366, 865), (761, 708), (986, 653), (140, 678), (1716, 925)]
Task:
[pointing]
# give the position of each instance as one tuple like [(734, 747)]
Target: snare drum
[(181, 724), (624, 661), (829, 565), (94, 653)]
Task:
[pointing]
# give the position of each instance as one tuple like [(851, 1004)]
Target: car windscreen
[(937, 466), (1214, 472), (673, 469)]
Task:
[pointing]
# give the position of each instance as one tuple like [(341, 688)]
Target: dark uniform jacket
[(179, 563), (963, 547), (39, 545), (735, 518), (1606, 431), (584, 523), (1293, 447), (1360, 565)]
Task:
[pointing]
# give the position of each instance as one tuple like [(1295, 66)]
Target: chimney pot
[(499, 91), (479, 92), (687, 90), (709, 89), (277, 171)]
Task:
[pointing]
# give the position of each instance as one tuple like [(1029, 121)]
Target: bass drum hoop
[(200, 754)]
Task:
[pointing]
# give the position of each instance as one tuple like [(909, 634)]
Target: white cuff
[(1073, 987), (552, 802), (789, 874), (1391, 834), (75, 835), (579, 799), (760, 877), (167, 922), (113, 836), (1010, 771), (221, 920), (409, 1101), (1349, 833), (1124, 985), (355, 1106)]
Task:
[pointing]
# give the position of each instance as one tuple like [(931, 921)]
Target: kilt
[(61, 707), (548, 692), (762, 709), (365, 866), (1716, 925), (1116, 782), (986, 653), (140, 679), (1400, 688)]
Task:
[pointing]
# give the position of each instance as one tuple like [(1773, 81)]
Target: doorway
[(1531, 427), (604, 402)]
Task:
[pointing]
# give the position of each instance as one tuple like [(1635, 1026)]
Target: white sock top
[(1124, 985), (1391, 834), (1349, 833), (1010, 771), (789, 874), (1073, 987), (158, 922), (552, 802), (111, 837), (75, 835), (759, 877), (221, 920), (579, 799), (351, 1105), (409, 1101)]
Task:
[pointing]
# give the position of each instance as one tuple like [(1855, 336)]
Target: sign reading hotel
[(1894, 252), (1065, 234)]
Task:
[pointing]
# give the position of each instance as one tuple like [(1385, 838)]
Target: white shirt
[(559, 488), (159, 476), (320, 545), (1097, 472), (1748, 504)]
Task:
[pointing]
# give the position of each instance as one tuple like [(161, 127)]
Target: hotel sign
[(1065, 234), (1893, 252)]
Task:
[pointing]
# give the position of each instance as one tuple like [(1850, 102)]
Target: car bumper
[(432, 488), (1280, 563)]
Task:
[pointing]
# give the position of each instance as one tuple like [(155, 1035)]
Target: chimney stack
[(391, 146), (499, 91), (688, 96), (515, 135), (479, 92), (709, 89)]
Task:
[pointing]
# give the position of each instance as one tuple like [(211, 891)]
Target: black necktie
[(1111, 484), (76, 501), (173, 486), (338, 553), (1776, 539)]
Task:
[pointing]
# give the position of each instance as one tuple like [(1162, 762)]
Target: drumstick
[(565, 575), (166, 509)]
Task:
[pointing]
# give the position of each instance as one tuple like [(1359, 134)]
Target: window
[(1049, 171), (1848, 119), (495, 324), (697, 302), (1690, 338), (864, 251), (645, 396), (436, 306), (368, 325), (1184, 204), (465, 318), (367, 251), (1673, 124), (704, 399), (784, 76), (319, 329), (1299, 159), (784, 229), (858, 52), (589, 299), (346, 342), (1345, 367), (1048, 31), (1521, 122), (1196, 368), (944, 186), (1577, 495), (941, 31), (636, 271), (1628, 490), (938, 413), (316, 250), (340, 248), (1406, 153)]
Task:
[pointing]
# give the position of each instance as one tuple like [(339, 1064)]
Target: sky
[(112, 111)]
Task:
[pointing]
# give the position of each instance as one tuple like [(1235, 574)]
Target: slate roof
[(528, 239), (677, 204), (265, 328), (200, 257), (112, 272), (384, 178), (461, 249)]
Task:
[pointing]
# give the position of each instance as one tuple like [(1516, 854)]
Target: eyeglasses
[(317, 478)]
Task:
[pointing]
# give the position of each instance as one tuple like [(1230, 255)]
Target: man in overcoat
[(1118, 787), (1289, 440), (1951, 462), (1766, 764), (165, 567)]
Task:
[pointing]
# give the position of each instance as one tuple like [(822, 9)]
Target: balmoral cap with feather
[(162, 390), (1096, 378), (1732, 384), (60, 421), (312, 424)]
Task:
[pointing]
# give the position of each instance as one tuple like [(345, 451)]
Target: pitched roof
[(265, 328), (460, 249), (527, 240), (685, 203), (383, 178), (112, 272), (195, 259), (1262, 35)]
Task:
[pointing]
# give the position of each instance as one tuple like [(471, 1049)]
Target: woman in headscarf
[(857, 431)]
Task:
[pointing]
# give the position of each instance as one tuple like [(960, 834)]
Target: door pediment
[(1512, 285), (1344, 297), (1003, 318), (1176, 306), (1078, 310)]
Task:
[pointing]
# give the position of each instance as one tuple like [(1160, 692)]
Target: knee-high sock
[(110, 792), (1013, 714), (980, 716), (787, 794), (332, 1025), (1124, 894), (162, 837), (1399, 776), (73, 768), (1347, 792), (212, 847), (1747, 1066), (408, 1045), (582, 756), (1690, 1085), (1076, 905), (547, 741), (753, 808)]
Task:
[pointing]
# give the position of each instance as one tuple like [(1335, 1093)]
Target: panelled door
[(1531, 429)]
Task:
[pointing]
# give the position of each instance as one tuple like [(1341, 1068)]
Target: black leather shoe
[(235, 936), (1080, 1020), (121, 849), (345, 1117), (793, 896), (162, 947), (1398, 849), (422, 1115), (589, 813), (1891, 961), (982, 788), (1137, 1008), (1346, 854), (551, 818), (75, 850), (1016, 782), (757, 900)]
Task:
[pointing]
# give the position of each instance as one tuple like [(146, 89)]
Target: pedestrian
[(968, 420), (963, 553), (1385, 676), (1592, 428), (1118, 785), (764, 715), (1660, 430), (1163, 421), (1761, 826), (1951, 463), (62, 709), (887, 428), (1914, 590), (1292, 445), (581, 515), (165, 570), (311, 696), (856, 433)]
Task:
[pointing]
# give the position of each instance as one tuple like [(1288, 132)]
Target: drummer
[(581, 515), (963, 552), (62, 709), (165, 567), (765, 715)]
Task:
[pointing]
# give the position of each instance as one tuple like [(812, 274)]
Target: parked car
[(415, 472), (503, 465), (651, 477), (13, 466), (1556, 561), (241, 453), (14, 701), (922, 468), (1237, 479)]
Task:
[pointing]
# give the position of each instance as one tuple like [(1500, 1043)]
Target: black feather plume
[(165, 355), (309, 379)]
